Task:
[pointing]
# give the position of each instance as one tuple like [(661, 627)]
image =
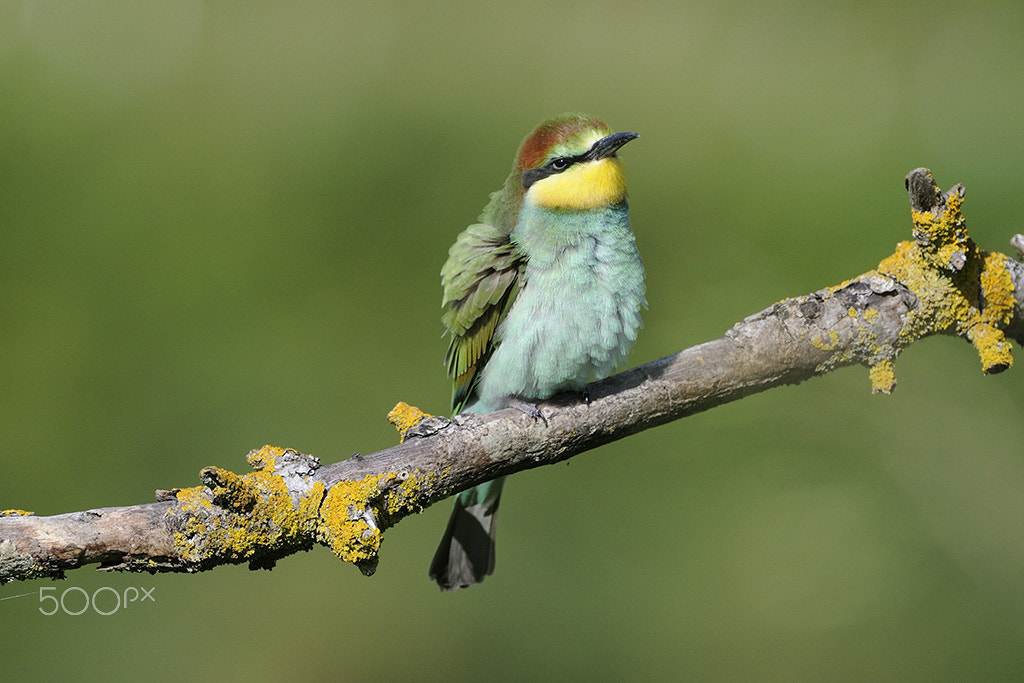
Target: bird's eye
[(559, 164)]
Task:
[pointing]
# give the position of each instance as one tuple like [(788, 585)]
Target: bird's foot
[(527, 408)]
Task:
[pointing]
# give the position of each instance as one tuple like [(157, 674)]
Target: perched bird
[(542, 295)]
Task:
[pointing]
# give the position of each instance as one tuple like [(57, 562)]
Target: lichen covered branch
[(939, 282)]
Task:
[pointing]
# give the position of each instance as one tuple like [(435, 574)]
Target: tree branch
[(938, 283)]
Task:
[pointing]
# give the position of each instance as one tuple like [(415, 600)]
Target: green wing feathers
[(479, 278)]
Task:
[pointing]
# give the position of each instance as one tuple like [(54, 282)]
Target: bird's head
[(569, 163)]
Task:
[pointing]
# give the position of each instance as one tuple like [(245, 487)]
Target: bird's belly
[(569, 326)]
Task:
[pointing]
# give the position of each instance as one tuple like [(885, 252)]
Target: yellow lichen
[(348, 523), (354, 513), (237, 517), (883, 376), (193, 498), (13, 512), (257, 517), (230, 489), (408, 496), (830, 345), (960, 289), (404, 416), (992, 347), (997, 289), (266, 458)]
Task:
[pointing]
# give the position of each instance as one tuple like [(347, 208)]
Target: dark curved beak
[(608, 146)]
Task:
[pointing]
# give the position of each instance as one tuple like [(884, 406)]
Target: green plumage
[(479, 279)]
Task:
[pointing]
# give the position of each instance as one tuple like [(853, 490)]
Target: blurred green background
[(221, 226)]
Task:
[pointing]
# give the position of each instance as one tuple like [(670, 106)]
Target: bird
[(542, 295)]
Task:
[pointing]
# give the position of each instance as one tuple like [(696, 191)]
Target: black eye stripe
[(553, 167)]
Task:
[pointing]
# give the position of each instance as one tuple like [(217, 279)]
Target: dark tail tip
[(466, 552)]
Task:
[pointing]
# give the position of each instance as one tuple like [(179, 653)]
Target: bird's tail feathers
[(466, 552)]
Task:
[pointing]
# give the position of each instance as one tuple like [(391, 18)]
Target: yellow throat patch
[(587, 185)]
